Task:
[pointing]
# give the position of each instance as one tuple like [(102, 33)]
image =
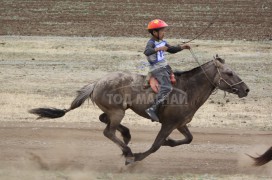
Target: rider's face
[(160, 34)]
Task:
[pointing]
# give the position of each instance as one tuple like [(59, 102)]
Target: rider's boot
[(152, 112)]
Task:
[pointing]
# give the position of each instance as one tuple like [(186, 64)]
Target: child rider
[(159, 67)]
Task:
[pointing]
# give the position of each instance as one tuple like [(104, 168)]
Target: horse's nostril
[(247, 90), (234, 90)]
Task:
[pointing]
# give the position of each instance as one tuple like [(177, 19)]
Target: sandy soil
[(47, 71), (80, 151)]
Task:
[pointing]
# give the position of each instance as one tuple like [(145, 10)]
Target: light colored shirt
[(157, 59)]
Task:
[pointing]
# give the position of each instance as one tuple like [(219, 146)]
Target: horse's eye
[(229, 73)]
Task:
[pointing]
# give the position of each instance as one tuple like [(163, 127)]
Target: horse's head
[(227, 80)]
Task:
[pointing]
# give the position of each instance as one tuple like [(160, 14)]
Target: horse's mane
[(190, 72)]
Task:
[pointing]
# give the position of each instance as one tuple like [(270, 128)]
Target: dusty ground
[(80, 151), (47, 71)]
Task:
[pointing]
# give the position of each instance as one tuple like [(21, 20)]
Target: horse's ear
[(219, 59)]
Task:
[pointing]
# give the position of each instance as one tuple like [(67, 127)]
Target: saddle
[(152, 82)]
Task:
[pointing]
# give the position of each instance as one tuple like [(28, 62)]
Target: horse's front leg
[(188, 138), (160, 139)]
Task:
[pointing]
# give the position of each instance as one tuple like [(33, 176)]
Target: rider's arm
[(150, 48), (173, 49)]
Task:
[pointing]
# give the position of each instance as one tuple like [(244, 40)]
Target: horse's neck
[(199, 85)]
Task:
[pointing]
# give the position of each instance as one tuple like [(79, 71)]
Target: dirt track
[(50, 148)]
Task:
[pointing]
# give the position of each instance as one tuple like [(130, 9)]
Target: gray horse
[(117, 92)]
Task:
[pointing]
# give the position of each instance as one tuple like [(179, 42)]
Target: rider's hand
[(163, 48), (185, 46)]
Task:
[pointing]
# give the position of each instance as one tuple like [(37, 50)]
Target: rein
[(210, 24), (234, 90), (194, 56)]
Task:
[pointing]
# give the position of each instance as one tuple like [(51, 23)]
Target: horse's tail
[(264, 158), (83, 94)]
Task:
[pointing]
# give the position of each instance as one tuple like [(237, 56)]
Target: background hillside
[(249, 20)]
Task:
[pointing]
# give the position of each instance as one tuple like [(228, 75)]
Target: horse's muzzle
[(242, 92)]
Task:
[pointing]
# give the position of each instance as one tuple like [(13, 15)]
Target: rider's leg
[(163, 78)]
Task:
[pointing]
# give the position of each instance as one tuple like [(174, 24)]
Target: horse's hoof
[(129, 160)]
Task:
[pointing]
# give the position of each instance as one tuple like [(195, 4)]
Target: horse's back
[(114, 85), (116, 79)]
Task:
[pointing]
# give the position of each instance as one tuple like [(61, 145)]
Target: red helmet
[(156, 24)]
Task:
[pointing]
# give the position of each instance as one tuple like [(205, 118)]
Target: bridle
[(231, 86)]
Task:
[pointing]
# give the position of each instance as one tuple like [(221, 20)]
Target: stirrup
[(152, 115)]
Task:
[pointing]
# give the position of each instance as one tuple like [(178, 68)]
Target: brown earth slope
[(250, 20)]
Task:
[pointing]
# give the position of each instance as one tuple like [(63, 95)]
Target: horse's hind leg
[(121, 128), (104, 118), (115, 118), (125, 133)]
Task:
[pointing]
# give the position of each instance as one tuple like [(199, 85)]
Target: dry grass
[(47, 71)]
